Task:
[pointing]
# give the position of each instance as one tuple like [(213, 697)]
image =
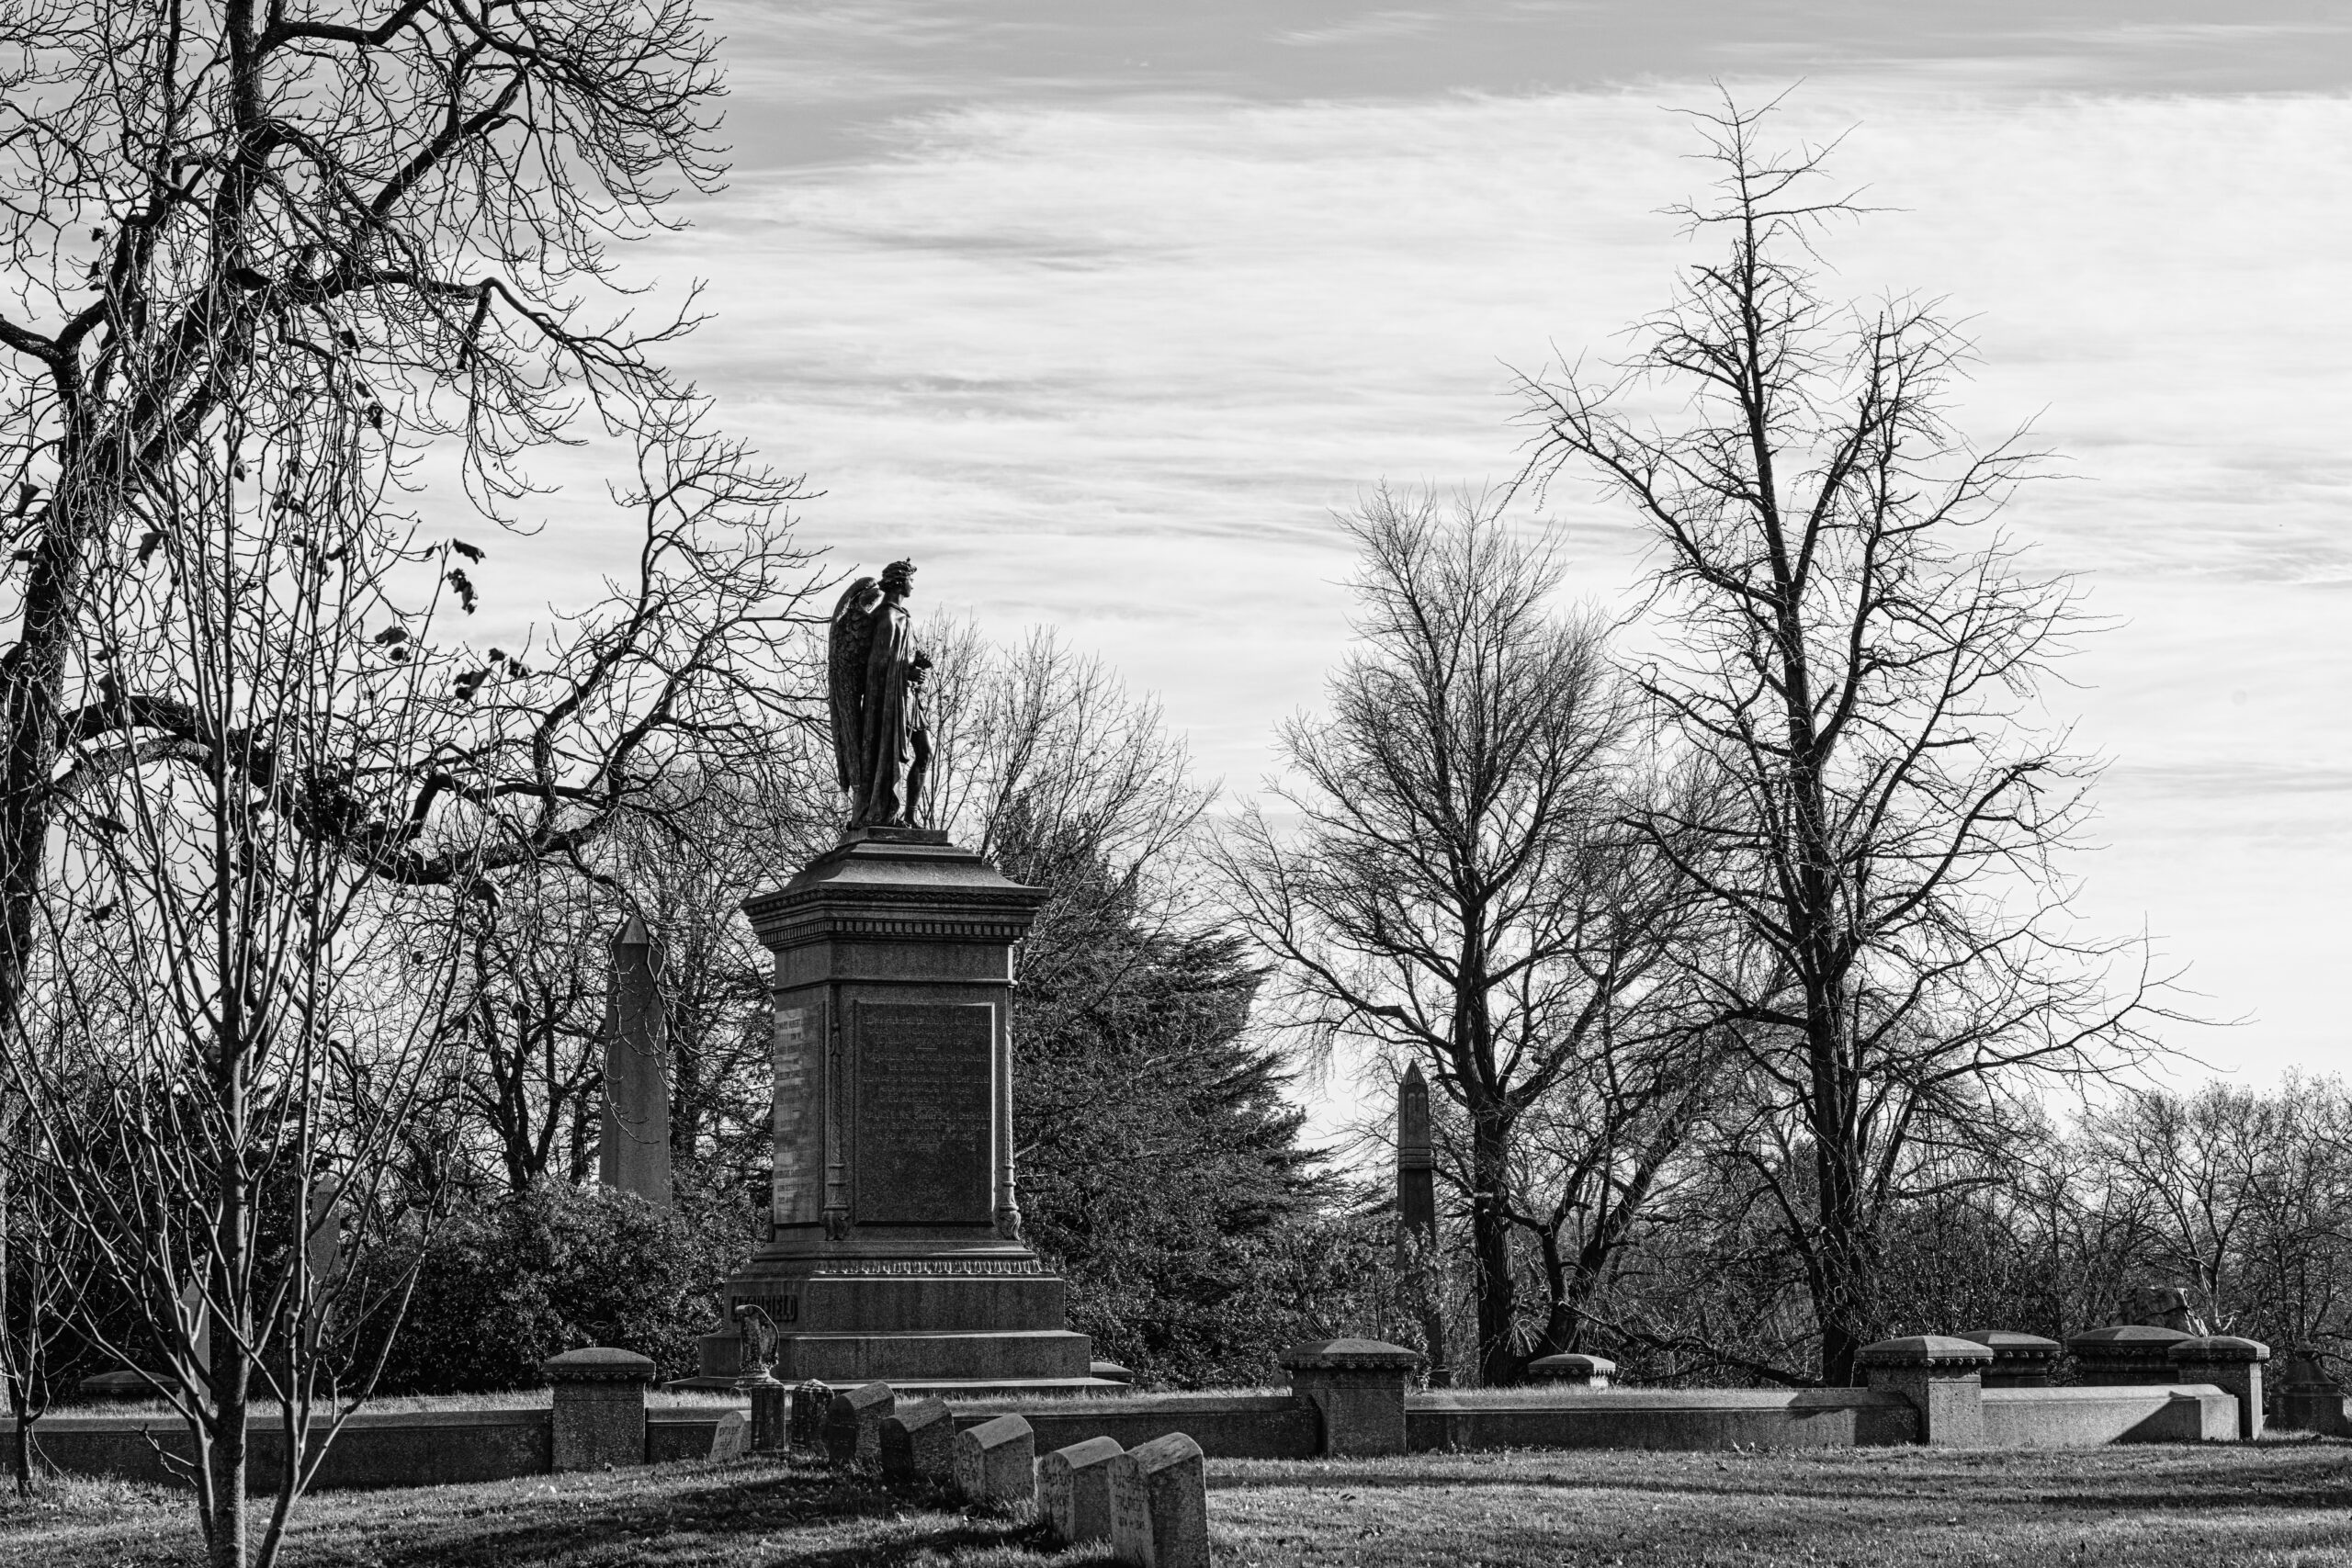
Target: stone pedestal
[(894, 1249), (2231, 1364), (1358, 1387), (2123, 1355), (599, 1416), (2309, 1400), (1943, 1376), (2019, 1361)]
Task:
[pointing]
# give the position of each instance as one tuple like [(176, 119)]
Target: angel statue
[(880, 748)]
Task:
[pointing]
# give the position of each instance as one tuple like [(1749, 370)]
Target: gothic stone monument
[(895, 1248)]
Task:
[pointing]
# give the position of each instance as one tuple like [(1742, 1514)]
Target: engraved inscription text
[(923, 1112)]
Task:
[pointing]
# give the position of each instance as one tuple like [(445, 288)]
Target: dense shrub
[(506, 1283)]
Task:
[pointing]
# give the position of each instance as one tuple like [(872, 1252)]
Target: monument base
[(893, 1252), (935, 1314)]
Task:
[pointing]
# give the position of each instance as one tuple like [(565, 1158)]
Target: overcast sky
[(1097, 311)]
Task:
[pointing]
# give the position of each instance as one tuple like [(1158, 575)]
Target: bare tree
[(223, 223), (1855, 656), (276, 283), (1459, 886), (44, 1273)]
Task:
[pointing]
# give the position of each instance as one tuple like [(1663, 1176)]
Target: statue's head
[(899, 578)]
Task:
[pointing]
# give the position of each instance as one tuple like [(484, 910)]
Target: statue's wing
[(845, 675)]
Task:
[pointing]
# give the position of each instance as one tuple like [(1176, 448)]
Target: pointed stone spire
[(1416, 1158), (633, 1153)]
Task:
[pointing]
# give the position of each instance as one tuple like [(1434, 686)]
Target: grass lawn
[(2263, 1505)]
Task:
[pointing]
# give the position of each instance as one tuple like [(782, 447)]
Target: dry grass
[(2263, 1505), (2284, 1505)]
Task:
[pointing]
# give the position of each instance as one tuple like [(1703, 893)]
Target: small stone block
[(1159, 1512), (733, 1437), (920, 1440), (598, 1415), (1074, 1490), (996, 1463), (853, 1425)]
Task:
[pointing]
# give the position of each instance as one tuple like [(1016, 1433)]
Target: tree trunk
[(1498, 1365)]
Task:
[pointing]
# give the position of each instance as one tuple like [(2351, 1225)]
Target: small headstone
[(813, 1403), (1160, 1505), (733, 1437), (1074, 1490), (920, 1440), (996, 1463), (853, 1425)]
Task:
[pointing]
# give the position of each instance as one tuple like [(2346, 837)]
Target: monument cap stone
[(2124, 1354), (598, 1363), (1926, 1350), (1573, 1368), (2019, 1361), (1350, 1355)]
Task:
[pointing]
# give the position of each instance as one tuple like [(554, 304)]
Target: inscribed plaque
[(924, 1113)]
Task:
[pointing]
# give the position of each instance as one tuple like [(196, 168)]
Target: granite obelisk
[(633, 1146)]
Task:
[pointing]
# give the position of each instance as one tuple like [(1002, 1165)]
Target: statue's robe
[(893, 746)]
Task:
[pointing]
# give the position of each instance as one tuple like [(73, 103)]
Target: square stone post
[(1572, 1370), (1357, 1387), (599, 1407), (2019, 1361), (2231, 1364), (1943, 1379)]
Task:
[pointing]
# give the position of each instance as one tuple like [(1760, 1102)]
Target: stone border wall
[(1349, 1398)]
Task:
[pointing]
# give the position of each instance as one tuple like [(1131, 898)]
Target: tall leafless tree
[(222, 222), (1856, 652), (1459, 886)]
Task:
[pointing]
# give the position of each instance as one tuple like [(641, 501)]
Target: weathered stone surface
[(804, 1422), (1572, 1369), (918, 1440), (923, 1112), (2232, 1364), (1686, 1418), (1358, 1388), (1159, 1516), (1941, 1375), (732, 1436), (1074, 1489), (2123, 1354), (2079, 1417), (895, 1252), (995, 1463), (2019, 1361), (853, 1425), (599, 1407), (633, 1146), (770, 1400)]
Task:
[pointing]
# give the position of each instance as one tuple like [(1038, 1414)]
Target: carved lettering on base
[(924, 1113)]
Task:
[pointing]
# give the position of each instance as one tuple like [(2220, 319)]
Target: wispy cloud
[(1100, 323)]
